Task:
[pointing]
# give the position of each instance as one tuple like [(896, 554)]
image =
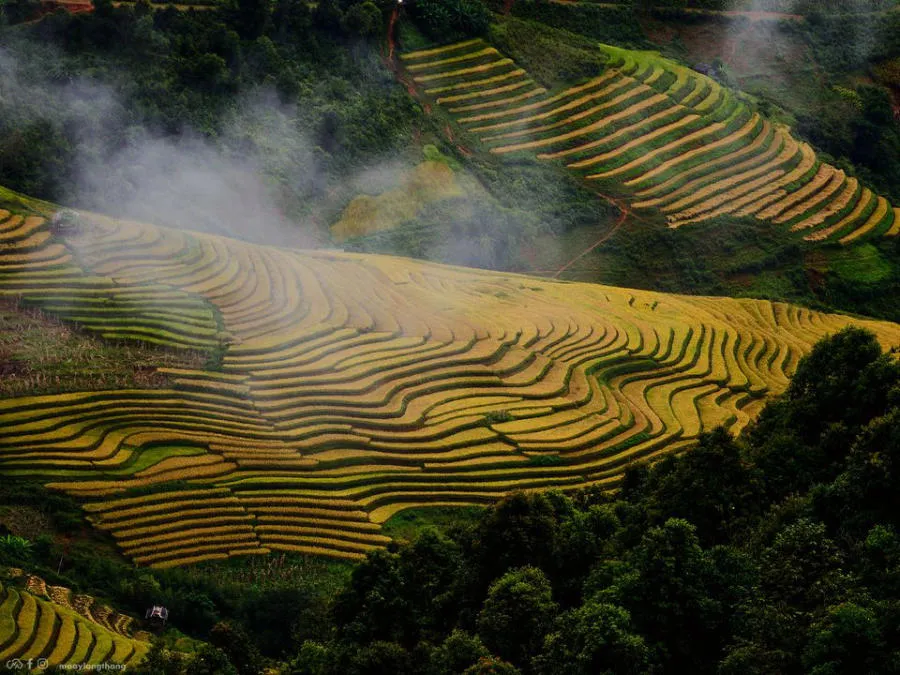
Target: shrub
[(449, 20)]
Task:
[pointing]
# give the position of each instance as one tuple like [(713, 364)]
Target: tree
[(491, 665), (373, 606), (428, 568), (252, 18), (802, 567), (379, 658), (457, 653), (211, 661), (517, 614), (521, 530), (161, 661), (869, 490), (711, 486), (804, 437), (312, 659), (583, 537), (284, 617), (845, 378), (881, 560), (449, 20), (595, 639), (846, 641), (328, 14), (238, 647), (800, 576), (666, 587), (362, 20)]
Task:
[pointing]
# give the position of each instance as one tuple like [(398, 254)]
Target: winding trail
[(392, 43), (623, 216)]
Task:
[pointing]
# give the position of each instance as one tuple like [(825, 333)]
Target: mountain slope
[(354, 386), (669, 138), (51, 626)]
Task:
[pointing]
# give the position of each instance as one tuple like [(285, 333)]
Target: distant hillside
[(666, 137)]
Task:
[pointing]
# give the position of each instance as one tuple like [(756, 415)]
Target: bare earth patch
[(39, 354)]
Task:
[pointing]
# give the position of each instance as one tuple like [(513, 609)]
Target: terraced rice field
[(51, 626), (673, 139), (355, 386)]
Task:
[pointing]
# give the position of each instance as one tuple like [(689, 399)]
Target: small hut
[(66, 221), (157, 615)]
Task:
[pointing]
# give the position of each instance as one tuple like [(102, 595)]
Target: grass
[(863, 264), (273, 572), (407, 524), (555, 58), (40, 354), (146, 458), (431, 181)]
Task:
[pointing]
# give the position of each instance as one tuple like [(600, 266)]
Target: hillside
[(669, 138), (50, 626), (350, 387), (450, 337)]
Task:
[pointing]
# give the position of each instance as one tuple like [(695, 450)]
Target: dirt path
[(623, 216), (392, 44)]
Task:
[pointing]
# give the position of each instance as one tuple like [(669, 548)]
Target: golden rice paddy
[(354, 386)]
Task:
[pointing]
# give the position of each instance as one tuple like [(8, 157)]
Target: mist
[(263, 171), (232, 184)]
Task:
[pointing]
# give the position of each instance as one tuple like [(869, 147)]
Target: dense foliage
[(617, 24), (448, 20), (792, 6), (297, 94)]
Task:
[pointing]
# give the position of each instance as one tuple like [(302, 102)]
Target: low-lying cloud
[(228, 185)]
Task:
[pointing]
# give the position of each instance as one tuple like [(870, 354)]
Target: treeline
[(617, 25), (77, 89), (781, 6)]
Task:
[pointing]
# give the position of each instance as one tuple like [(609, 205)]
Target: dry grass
[(39, 354)]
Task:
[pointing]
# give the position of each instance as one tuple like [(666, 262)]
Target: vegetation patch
[(409, 523), (429, 182), (39, 354), (863, 264)]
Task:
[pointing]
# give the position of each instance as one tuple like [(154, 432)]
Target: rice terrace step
[(679, 142), (354, 386), (46, 626)]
